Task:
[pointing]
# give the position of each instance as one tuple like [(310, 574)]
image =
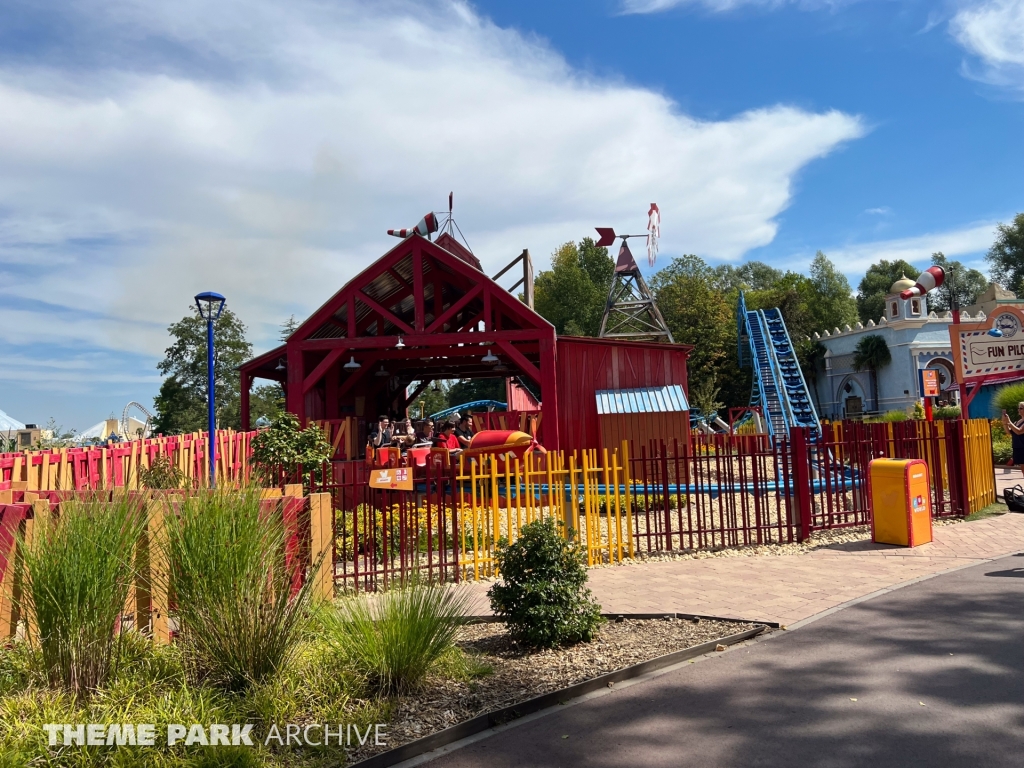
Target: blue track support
[(779, 387)]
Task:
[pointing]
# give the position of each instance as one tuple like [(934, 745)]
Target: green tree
[(476, 389), (177, 411), (875, 284), (185, 361), (872, 353), (699, 313), (968, 284), (1007, 255), (434, 398), (572, 294), (288, 327), (832, 304)]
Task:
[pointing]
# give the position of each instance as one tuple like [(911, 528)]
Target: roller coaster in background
[(778, 387)]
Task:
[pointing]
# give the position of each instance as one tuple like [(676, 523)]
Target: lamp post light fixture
[(210, 306)]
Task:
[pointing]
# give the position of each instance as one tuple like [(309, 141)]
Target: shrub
[(1007, 398), (161, 475), (283, 450), (1002, 451), (78, 571), (394, 639), (946, 412), (239, 623), (543, 596), (888, 416)]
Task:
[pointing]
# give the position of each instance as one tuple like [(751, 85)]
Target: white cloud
[(993, 31), (267, 156), (972, 240), (881, 211)]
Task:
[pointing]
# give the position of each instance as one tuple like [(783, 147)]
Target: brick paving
[(790, 588)]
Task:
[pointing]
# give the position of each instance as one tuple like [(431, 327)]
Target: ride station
[(425, 311)]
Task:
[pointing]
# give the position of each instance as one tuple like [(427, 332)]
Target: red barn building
[(425, 311)]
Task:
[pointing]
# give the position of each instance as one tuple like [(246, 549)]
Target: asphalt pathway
[(928, 675)]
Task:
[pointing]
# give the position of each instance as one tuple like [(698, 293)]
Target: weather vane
[(653, 234)]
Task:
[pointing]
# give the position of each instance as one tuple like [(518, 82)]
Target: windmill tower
[(630, 312)]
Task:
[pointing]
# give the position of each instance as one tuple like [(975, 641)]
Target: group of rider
[(455, 433)]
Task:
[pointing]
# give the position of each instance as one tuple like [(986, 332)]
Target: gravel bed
[(518, 676)]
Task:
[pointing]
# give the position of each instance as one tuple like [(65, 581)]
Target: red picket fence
[(117, 465)]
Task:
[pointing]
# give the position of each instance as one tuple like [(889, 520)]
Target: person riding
[(447, 438), (380, 434), (403, 434), (464, 432), (426, 433)]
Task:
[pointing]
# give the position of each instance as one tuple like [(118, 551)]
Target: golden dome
[(902, 284)]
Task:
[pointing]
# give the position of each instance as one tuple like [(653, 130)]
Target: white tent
[(7, 424), (109, 427)]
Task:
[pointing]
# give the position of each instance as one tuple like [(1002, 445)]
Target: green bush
[(161, 475), (284, 449), (543, 596), (395, 638), (1007, 398), (888, 416), (238, 621), (1002, 451), (946, 412), (78, 571)]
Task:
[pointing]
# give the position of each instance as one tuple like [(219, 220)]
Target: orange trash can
[(901, 502)]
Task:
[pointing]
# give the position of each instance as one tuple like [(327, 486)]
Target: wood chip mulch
[(519, 675)]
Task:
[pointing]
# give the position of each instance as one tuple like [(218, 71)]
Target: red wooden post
[(798, 439), (549, 392), (295, 398), (246, 386), (957, 452)]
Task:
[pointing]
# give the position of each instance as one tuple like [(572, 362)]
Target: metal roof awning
[(669, 399)]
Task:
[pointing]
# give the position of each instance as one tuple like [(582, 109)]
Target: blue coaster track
[(778, 386)]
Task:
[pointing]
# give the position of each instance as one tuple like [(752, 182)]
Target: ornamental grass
[(395, 638), (78, 571), (239, 620)]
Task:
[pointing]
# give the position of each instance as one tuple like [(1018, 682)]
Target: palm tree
[(872, 353)]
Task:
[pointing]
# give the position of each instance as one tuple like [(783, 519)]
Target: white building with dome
[(917, 339)]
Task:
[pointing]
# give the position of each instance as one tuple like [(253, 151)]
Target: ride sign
[(392, 478), (929, 382), (979, 356)]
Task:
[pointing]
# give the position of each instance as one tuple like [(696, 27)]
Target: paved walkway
[(930, 675), (787, 589), (1007, 477)]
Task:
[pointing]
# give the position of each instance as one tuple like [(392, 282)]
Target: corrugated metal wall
[(587, 365)]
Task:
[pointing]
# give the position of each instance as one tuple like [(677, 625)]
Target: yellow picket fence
[(586, 492)]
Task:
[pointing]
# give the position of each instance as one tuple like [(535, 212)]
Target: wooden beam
[(520, 360), (332, 357), (423, 340), (385, 313), (354, 377), (416, 393), (455, 308), (419, 319)]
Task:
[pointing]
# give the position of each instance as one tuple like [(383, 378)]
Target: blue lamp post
[(210, 306)]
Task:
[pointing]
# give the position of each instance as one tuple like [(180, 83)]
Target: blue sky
[(261, 148)]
